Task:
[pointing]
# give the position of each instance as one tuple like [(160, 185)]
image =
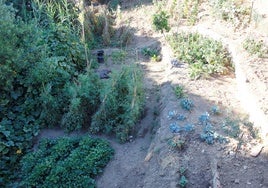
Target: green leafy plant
[(118, 56), (209, 135), (84, 97), (182, 170), (256, 48), (41, 56), (65, 162), (177, 143), (153, 54), (205, 56), (122, 104), (187, 104), (179, 91), (183, 181), (231, 127), (254, 131), (189, 10), (160, 21), (215, 110)]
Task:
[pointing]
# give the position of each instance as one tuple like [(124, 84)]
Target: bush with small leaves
[(160, 21)]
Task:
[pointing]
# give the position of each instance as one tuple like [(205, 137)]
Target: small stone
[(237, 181), (256, 150), (231, 153), (236, 164), (249, 183), (245, 167), (148, 156)]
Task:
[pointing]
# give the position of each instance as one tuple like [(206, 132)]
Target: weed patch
[(205, 56), (122, 104), (232, 11), (257, 48), (118, 56)]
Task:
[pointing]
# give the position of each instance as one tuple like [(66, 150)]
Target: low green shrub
[(205, 56), (179, 91), (231, 127), (160, 21), (255, 47), (65, 162), (153, 54), (122, 104)]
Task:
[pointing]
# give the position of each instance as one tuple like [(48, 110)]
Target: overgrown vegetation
[(205, 56), (65, 162), (119, 57), (122, 103), (48, 78), (232, 11)]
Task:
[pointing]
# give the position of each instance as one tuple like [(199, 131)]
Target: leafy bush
[(215, 110), (122, 104), (65, 162), (84, 97), (17, 116), (160, 21), (205, 56)]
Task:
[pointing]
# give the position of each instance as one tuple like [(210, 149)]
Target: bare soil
[(148, 160)]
